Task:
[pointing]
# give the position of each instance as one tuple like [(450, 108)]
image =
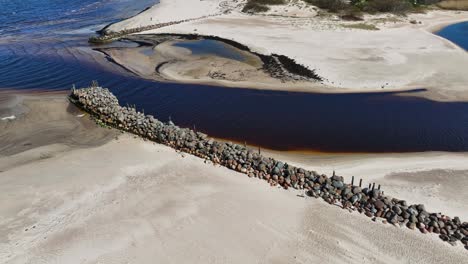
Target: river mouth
[(361, 122), (319, 122), (353, 122)]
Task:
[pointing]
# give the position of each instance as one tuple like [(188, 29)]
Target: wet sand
[(167, 62), (45, 124)]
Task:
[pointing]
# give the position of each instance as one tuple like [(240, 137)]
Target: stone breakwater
[(109, 36), (371, 201)]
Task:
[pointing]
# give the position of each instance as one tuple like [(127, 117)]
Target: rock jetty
[(109, 36), (371, 201)]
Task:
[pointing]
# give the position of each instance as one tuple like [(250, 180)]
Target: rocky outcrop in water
[(371, 201)]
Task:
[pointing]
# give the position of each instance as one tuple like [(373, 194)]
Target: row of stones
[(110, 36), (104, 106)]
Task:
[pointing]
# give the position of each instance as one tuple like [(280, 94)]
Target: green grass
[(256, 6)]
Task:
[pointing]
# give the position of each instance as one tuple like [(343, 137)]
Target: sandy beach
[(398, 56), (178, 64), (73, 191), (132, 201), (437, 179)]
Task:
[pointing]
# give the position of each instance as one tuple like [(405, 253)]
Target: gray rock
[(421, 208), (338, 184), (357, 189), (396, 209), (104, 105)]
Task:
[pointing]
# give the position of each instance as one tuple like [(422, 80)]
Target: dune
[(454, 4)]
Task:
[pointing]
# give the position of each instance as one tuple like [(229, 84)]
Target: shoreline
[(105, 108), (426, 78), (285, 71), (316, 87), (145, 193), (436, 28), (81, 190)]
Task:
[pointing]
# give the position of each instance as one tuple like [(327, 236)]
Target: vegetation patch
[(363, 26), (330, 5), (257, 6), (350, 10)]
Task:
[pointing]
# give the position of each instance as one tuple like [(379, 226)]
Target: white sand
[(133, 201), (6, 118), (398, 57), (436, 179), (169, 11)]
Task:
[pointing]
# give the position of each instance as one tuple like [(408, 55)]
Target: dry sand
[(169, 11), (71, 193), (454, 4), (399, 56), (132, 201), (437, 179)]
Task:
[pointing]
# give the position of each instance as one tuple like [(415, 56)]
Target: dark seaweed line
[(371, 201), (277, 66)]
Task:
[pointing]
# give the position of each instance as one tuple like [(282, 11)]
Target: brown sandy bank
[(132, 201), (44, 124), (161, 60), (454, 4)]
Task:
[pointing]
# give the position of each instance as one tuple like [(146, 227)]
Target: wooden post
[(352, 180), (379, 187), (373, 186), (333, 173), (370, 186), (259, 152), (360, 182)]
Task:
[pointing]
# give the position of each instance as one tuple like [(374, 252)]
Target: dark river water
[(43, 45)]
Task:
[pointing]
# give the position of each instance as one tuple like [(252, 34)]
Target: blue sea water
[(457, 33), (41, 17), (43, 45)]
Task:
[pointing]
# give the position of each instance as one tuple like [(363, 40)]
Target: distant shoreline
[(392, 62)]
